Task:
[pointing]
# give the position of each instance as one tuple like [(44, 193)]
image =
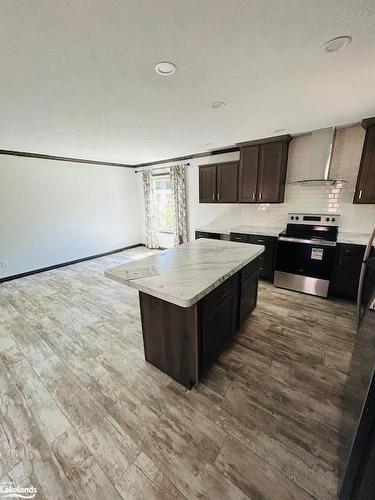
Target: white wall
[(345, 164), (53, 212)]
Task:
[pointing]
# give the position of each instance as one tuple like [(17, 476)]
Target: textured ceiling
[(77, 76)]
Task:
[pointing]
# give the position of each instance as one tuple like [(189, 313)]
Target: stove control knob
[(297, 217), (292, 217), (333, 219), (327, 219)]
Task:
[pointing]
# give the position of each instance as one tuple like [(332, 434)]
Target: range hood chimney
[(318, 173)]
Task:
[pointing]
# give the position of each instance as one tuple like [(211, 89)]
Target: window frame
[(166, 175)]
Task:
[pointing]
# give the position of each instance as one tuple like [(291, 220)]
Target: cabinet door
[(248, 174), (207, 184), (365, 188), (272, 172), (347, 270), (227, 175), (248, 296), (218, 327)]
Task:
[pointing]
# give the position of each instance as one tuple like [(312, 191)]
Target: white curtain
[(178, 185), (150, 221)]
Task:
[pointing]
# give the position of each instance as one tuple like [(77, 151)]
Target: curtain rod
[(158, 168)]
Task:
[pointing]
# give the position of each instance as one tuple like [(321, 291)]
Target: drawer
[(203, 234), (229, 287), (250, 269), (267, 241), (243, 238)]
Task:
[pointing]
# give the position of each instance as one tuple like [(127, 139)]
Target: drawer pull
[(260, 241)]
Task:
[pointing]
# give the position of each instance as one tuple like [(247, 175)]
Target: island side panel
[(170, 338)]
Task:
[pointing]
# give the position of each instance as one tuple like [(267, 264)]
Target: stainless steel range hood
[(318, 173)]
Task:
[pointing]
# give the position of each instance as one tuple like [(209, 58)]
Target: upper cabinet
[(248, 174), (262, 170), (258, 178), (218, 183), (207, 184), (365, 188), (226, 182)]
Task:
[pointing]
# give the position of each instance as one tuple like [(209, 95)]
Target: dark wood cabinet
[(365, 187), (218, 182), (207, 184), (258, 178), (248, 294), (217, 329), (248, 174), (185, 342), (272, 172), (267, 259), (226, 182), (347, 268), (262, 170)]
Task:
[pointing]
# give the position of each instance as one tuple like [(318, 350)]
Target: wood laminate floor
[(84, 416)]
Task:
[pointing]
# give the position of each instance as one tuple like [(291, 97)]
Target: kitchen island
[(193, 299)]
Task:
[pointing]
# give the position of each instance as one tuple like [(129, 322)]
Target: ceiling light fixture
[(217, 104), (165, 68), (336, 43)]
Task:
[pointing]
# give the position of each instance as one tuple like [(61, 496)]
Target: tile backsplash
[(321, 199)]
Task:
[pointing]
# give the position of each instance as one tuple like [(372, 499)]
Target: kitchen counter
[(343, 236), (185, 274), (353, 238), (244, 229)]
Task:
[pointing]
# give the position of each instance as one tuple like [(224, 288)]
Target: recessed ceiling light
[(165, 68), (278, 130), (217, 104), (336, 43)]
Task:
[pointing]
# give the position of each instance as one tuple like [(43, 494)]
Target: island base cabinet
[(185, 342), (170, 336)]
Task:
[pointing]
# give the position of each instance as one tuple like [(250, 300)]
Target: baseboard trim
[(69, 263)]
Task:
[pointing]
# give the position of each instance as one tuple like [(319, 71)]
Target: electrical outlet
[(3, 264)]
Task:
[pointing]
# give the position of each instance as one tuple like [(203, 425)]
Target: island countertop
[(185, 274)]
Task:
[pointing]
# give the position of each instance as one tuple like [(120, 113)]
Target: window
[(163, 203)]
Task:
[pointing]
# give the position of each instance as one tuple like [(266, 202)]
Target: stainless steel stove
[(306, 253)]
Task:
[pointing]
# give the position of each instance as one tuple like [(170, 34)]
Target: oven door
[(304, 265)]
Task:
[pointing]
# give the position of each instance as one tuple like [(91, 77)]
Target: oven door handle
[(317, 242)]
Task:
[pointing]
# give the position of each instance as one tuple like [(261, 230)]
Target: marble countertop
[(188, 272), (353, 238)]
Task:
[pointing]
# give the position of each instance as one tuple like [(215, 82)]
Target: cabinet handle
[(260, 241), (253, 196), (213, 196), (260, 195), (360, 194), (218, 196)]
